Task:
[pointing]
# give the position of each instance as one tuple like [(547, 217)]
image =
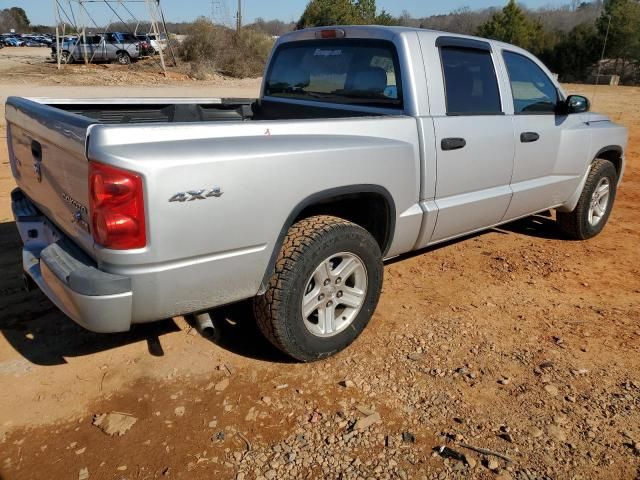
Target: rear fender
[(318, 198)]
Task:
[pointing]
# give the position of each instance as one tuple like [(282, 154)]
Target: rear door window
[(471, 85), (354, 72)]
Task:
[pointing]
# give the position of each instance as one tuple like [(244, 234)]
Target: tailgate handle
[(36, 150)]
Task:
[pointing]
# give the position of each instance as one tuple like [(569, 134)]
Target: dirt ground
[(31, 67), (19, 59), (514, 341), (34, 66)]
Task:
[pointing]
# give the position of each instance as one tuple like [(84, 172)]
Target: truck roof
[(385, 33)]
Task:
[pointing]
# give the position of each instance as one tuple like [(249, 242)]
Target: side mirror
[(577, 104)]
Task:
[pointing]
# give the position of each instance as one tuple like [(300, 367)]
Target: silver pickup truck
[(104, 47), (366, 143)]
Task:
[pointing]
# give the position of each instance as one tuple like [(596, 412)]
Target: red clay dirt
[(515, 340)]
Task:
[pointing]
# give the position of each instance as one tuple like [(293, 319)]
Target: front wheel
[(595, 204), (325, 287)]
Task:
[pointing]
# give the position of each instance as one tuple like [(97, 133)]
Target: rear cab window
[(341, 71)]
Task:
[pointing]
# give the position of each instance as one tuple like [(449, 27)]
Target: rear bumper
[(96, 300)]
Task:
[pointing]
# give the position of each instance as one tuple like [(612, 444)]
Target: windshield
[(354, 72)]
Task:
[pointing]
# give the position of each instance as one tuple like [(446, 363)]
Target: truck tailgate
[(47, 153)]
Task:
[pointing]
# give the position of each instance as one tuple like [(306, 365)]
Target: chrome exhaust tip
[(204, 324)]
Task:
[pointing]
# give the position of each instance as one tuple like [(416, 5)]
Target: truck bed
[(122, 111), (153, 110)]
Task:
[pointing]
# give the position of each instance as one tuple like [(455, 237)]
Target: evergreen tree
[(385, 18), (343, 12), (624, 30), (328, 12), (14, 18), (575, 54), (20, 15), (366, 11), (512, 25)]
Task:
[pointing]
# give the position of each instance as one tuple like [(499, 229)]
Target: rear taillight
[(116, 203)]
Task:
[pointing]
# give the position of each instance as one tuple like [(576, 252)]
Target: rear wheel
[(66, 57), (594, 206), (123, 58), (324, 289)]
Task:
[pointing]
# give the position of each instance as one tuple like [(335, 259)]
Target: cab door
[(101, 48), (474, 138), (89, 48), (84, 49), (547, 140)]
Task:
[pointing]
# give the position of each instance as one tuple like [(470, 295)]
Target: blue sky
[(41, 11)]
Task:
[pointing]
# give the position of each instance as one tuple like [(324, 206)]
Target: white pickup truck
[(366, 143)]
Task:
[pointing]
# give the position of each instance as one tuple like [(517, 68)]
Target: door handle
[(36, 150), (453, 143), (528, 137)]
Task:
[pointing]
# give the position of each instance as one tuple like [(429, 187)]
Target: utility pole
[(239, 17)]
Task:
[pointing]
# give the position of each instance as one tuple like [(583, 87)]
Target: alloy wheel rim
[(334, 294), (599, 202)]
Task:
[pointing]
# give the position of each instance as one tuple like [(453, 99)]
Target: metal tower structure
[(220, 13), (221, 16), (73, 17)]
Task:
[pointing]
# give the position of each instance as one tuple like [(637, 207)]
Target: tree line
[(570, 39), (14, 18)]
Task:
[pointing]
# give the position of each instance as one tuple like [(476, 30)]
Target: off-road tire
[(66, 57), (307, 243), (575, 225)]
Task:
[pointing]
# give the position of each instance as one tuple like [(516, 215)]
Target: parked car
[(38, 39), (142, 209), (105, 47), (14, 42), (145, 45), (158, 42)]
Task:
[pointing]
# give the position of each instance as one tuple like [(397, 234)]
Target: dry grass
[(214, 49)]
